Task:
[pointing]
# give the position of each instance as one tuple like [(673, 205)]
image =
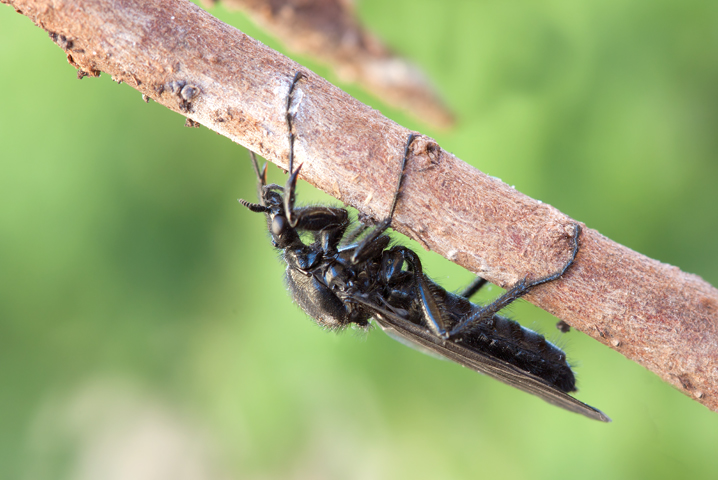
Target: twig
[(330, 31), (183, 58)]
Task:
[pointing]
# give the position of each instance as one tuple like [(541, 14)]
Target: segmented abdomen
[(507, 340)]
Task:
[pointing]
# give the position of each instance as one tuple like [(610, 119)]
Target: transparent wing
[(407, 332)]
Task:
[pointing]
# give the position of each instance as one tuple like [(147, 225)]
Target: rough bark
[(330, 31), (183, 58)]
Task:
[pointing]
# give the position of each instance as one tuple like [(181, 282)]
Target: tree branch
[(185, 59), (330, 31)]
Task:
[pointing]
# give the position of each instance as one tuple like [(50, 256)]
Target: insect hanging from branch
[(348, 274)]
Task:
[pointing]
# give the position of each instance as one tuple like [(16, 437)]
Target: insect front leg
[(293, 174), (329, 222)]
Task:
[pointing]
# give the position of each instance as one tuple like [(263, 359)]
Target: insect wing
[(397, 327)]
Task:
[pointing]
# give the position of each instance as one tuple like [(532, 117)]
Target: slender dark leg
[(384, 224), (472, 288), (514, 293), (293, 174), (397, 192), (430, 310), (262, 175), (354, 234), (261, 182), (288, 116)]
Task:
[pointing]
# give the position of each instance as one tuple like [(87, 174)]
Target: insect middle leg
[(363, 249)]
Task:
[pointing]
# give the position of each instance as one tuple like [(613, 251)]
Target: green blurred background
[(144, 327)]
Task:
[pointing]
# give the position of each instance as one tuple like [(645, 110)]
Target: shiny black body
[(348, 274)]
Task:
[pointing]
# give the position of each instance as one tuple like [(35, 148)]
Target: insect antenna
[(255, 207)]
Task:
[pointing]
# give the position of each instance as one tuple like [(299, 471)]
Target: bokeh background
[(145, 332)]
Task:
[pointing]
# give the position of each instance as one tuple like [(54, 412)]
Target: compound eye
[(279, 225)]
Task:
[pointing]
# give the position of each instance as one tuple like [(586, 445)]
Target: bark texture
[(330, 31), (185, 59)]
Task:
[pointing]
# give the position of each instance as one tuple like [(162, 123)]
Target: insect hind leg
[(514, 293)]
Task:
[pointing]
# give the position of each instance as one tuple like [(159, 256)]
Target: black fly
[(344, 278)]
